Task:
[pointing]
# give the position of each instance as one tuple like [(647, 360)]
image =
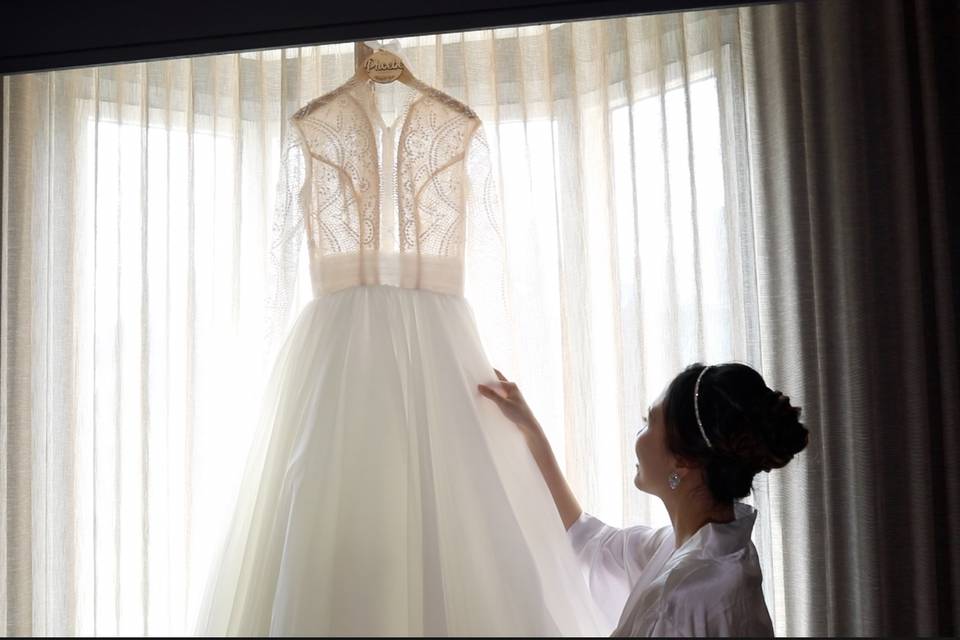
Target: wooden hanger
[(382, 66), (362, 54)]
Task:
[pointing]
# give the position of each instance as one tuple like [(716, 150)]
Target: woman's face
[(654, 460)]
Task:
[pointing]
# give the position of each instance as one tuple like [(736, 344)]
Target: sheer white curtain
[(137, 204)]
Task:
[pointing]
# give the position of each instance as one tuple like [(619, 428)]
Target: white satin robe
[(710, 586)]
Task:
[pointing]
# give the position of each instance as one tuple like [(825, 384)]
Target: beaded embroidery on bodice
[(413, 204)]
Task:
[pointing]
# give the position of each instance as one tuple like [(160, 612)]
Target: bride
[(711, 430)]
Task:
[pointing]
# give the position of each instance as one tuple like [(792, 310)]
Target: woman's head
[(750, 428)]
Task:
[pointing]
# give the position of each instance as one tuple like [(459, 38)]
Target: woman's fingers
[(506, 384), (490, 393), (513, 406)]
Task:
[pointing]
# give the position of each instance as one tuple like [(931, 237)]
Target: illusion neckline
[(416, 93)]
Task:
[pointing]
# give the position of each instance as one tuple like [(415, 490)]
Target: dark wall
[(58, 34)]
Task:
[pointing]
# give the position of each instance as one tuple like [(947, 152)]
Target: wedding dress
[(382, 494)]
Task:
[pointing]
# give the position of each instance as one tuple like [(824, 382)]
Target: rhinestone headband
[(696, 406)]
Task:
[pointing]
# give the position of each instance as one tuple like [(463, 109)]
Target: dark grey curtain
[(853, 141)]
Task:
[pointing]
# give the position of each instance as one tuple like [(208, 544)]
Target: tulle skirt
[(383, 495)]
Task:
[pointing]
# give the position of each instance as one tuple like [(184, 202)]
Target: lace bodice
[(411, 204)]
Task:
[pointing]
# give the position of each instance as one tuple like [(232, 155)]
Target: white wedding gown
[(383, 495)]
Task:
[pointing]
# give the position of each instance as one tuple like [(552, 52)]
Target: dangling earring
[(674, 479)]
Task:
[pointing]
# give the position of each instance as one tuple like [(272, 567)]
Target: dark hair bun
[(780, 430), (772, 435), (766, 435)]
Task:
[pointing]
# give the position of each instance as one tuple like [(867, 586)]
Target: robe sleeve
[(485, 253), (287, 231), (611, 560)]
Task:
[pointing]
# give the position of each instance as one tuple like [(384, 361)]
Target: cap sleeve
[(485, 254), (287, 231)]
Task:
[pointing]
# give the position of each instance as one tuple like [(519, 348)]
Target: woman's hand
[(513, 406)]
